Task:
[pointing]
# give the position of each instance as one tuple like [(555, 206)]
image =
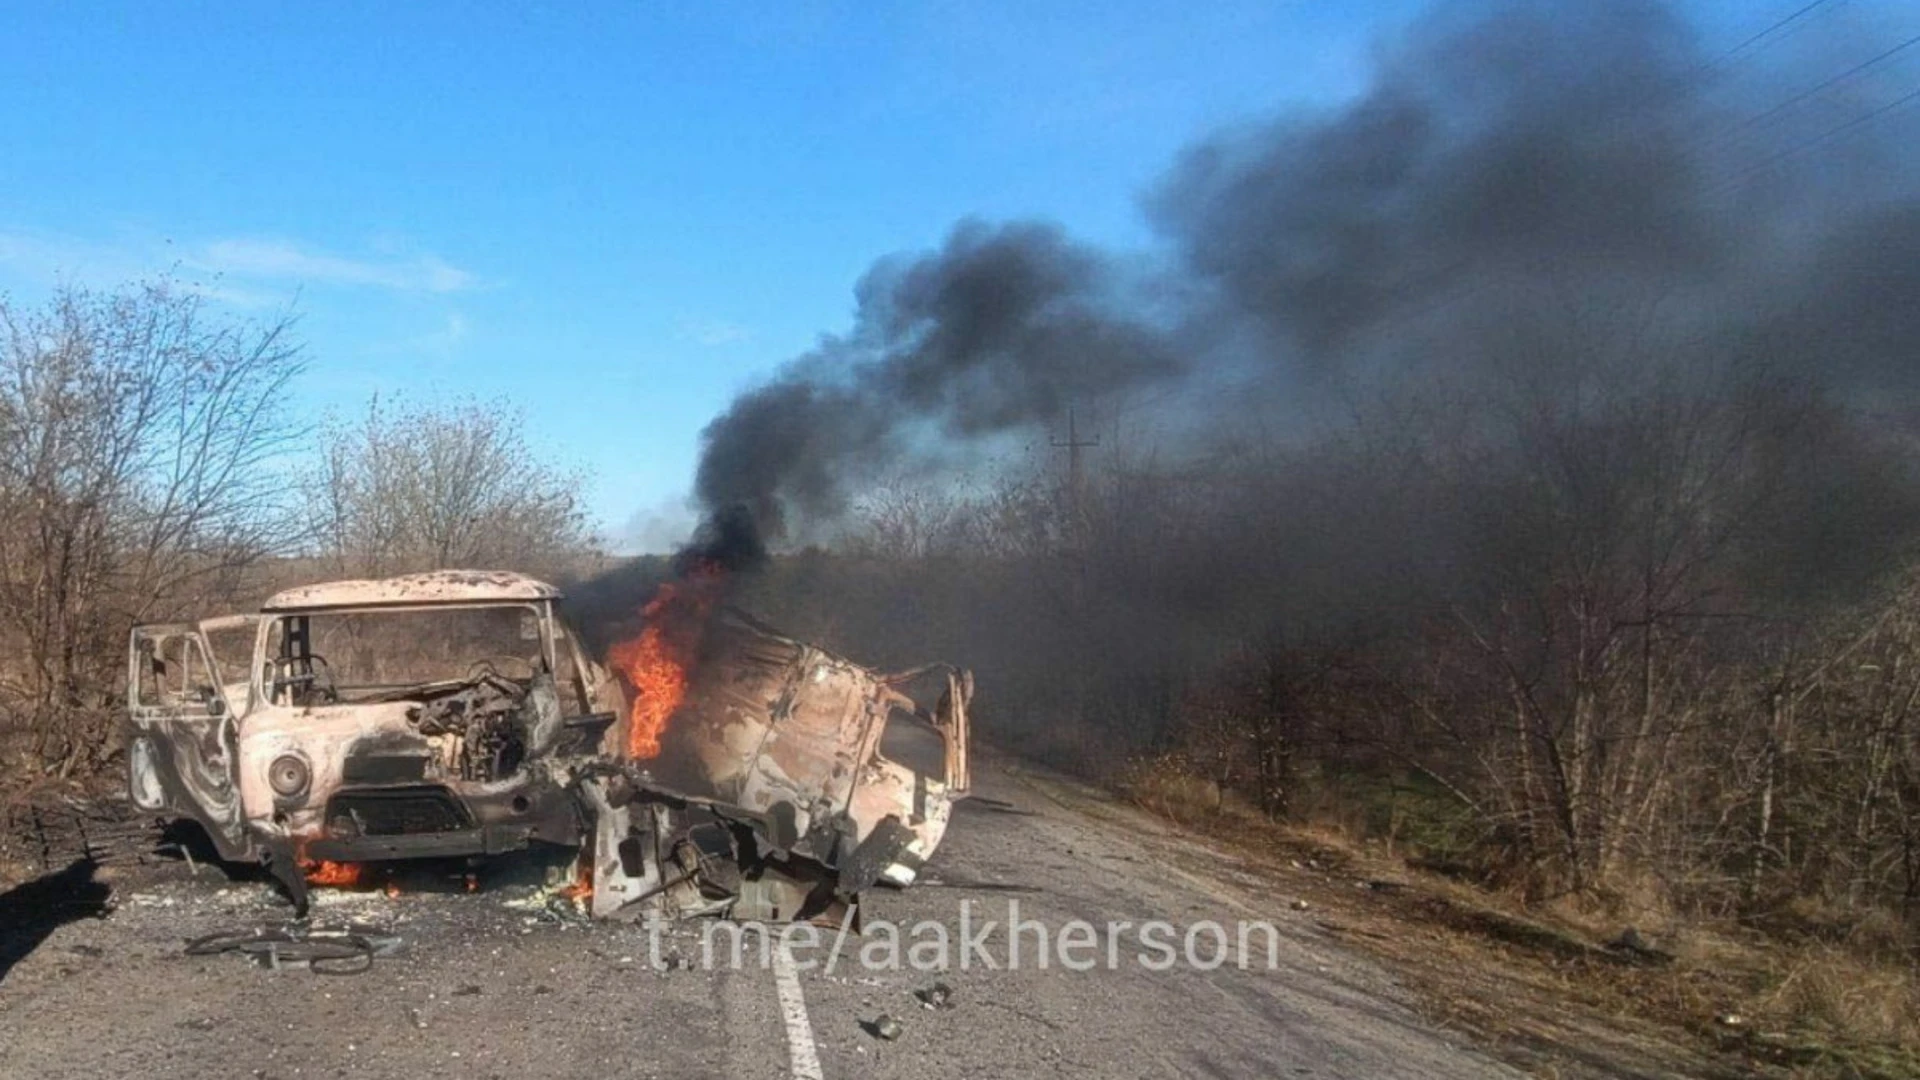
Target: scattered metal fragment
[(883, 1027), (976, 885), (342, 950), (551, 904), (937, 996)]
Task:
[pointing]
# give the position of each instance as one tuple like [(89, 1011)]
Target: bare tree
[(418, 487), (900, 521), (140, 447)]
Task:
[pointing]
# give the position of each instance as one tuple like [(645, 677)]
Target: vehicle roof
[(435, 587)]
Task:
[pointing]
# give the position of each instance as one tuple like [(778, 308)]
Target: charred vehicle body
[(454, 714), (788, 782)]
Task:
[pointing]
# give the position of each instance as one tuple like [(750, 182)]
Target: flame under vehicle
[(455, 714)]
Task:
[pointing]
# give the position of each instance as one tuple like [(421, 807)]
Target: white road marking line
[(793, 1010)]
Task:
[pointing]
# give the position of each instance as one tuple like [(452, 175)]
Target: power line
[(1768, 32), (1443, 298), (1656, 91), (1834, 81), (1439, 299), (1823, 137)]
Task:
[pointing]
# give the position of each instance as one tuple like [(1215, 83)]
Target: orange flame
[(340, 875), (655, 663), (581, 890), (659, 683)]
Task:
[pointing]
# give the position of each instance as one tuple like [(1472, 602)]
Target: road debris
[(552, 903), (937, 996), (338, 950)]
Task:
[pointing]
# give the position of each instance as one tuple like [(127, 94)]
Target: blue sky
[(615, 215)]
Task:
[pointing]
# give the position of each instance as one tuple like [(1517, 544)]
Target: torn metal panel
[(782, 741)]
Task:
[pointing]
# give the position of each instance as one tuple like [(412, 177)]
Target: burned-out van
[(456, 714)]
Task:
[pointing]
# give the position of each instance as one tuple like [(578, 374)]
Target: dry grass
[(1169, 786), (1827, 989), (1542, 982)]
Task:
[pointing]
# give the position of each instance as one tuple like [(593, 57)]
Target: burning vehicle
[(712, 767)]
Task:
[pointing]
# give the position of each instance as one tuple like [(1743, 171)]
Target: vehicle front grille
[(395, 812)]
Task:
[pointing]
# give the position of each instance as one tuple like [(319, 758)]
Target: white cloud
[(63, 258), (246, 272), (36, 260), (284, 260)]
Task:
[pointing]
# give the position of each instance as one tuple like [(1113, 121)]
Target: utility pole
[(1076, 475), (1076, 558)]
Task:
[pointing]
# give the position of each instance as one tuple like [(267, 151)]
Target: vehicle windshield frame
[(543, 611)]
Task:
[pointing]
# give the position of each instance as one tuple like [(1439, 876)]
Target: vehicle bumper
[(487, 822)]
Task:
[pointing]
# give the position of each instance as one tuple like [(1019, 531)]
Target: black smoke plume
[(1000, 330), (1530, 188)]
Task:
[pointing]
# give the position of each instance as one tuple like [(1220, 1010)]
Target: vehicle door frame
[(183, 750)]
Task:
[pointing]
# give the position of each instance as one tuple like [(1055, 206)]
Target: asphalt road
[(484, 989)]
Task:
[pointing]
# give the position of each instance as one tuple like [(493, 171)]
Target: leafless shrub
[(140, 447), (418, 487)]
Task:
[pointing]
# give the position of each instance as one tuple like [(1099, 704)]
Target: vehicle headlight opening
[(289, 775)]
